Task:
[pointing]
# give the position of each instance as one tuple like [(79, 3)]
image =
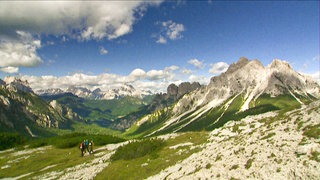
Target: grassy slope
[(58, 159), (138, 168), (208, 121), (93, 110), (63, 153)]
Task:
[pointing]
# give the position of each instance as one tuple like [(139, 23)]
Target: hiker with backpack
[(86, 146), (82, 148), (91, 146), (86, 142)]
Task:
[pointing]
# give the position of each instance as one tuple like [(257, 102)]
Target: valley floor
[(266, 146)]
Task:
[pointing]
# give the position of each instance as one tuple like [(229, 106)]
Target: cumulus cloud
[(218, 67), (200, 79), (23, 23), (10, 69), (88, 19), (102, 50), (170, 30), (154, 80), (186, 71), (19, 52), (137, 73), (197, 63), (173, 30)]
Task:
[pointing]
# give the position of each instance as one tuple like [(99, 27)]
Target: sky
[(151, 44)]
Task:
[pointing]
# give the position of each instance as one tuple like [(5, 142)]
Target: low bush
[(9, 140), (138, 149), (74, 139), (312, 131)]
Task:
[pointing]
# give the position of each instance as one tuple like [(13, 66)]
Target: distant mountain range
[(246, 88), (116, 93)]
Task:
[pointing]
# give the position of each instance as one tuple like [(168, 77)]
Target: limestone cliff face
[(252, 79), (177, 92), (21, 109)]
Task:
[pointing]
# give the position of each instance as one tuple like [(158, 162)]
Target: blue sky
[(151, 44)]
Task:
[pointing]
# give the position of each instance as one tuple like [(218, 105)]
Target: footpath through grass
[(49, 154)]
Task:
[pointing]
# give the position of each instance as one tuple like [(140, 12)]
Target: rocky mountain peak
[(176, 92), (172, 90), (16, 83), (280, 64), (252, 79), (239, 64)]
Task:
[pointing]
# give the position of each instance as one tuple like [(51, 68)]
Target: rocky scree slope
[(266, 146)]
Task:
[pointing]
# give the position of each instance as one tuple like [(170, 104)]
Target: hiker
[(91, 146), (86, 143), (82, 148)]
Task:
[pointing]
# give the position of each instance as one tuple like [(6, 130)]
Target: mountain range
[(251, 122), (246, 88), (116, 93)]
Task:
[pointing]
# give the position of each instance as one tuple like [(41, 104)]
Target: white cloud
[(88, 19), (10, 69), (162, 40), (102, 50), (22, 21), (218, 67), (171, 68), (137, 73), (170, 30), (154, 80), (200, 79), (19, 52), (173, 30), (186, 71), (197, 63)]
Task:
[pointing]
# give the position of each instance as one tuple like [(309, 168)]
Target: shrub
[(249, 163), (138, 149), (208, 166), (9, 140), (312, 131), (74, 139), (236, 166), (268, 136), (315, 156)]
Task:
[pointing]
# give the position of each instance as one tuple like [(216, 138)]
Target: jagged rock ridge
[(244, 86)]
